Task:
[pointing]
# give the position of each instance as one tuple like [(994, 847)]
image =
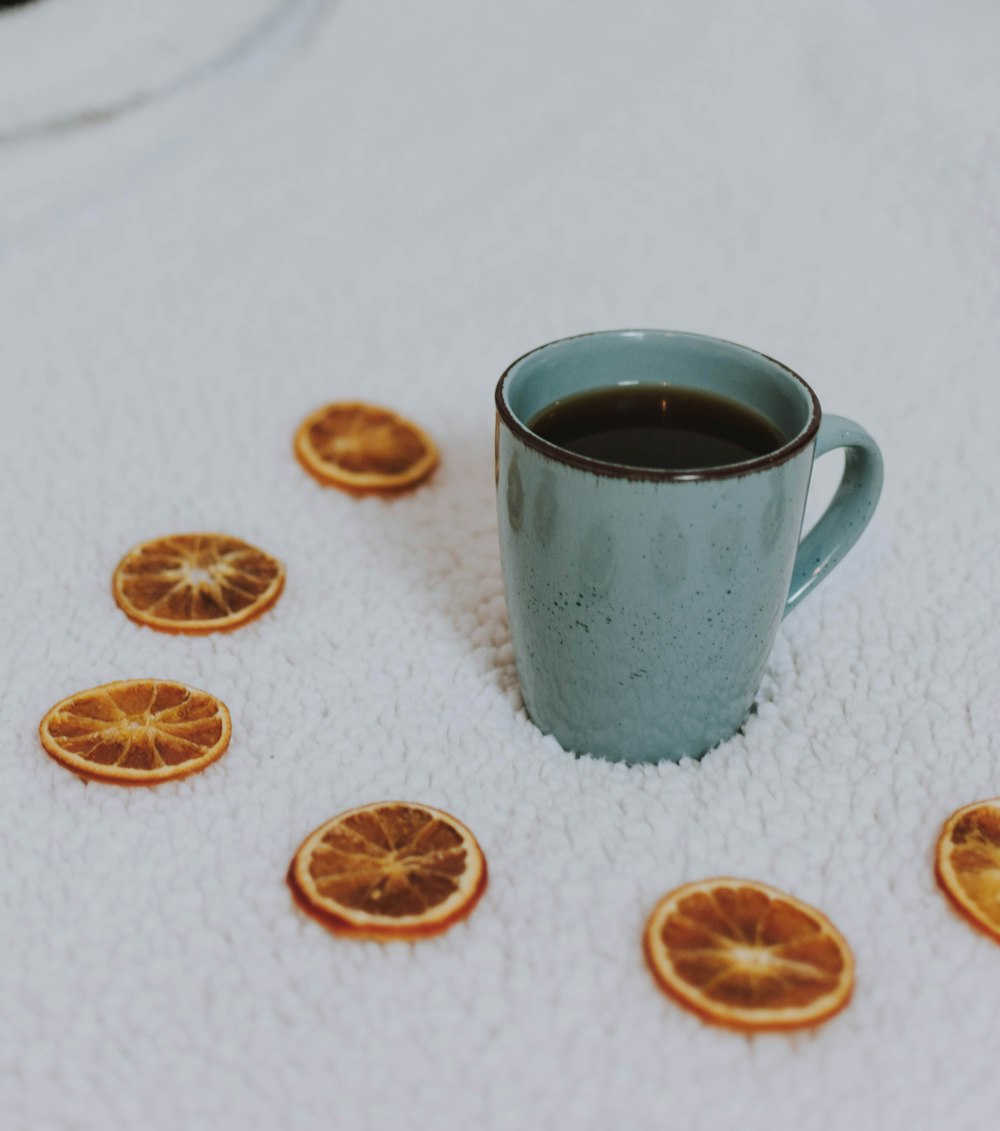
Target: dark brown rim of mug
[(625, 471)]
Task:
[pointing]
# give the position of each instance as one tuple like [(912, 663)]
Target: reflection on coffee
[(657, 427)]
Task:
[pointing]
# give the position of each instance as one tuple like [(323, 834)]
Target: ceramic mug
[(643, 604)]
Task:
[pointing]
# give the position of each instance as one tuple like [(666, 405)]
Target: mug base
[(636, 751)]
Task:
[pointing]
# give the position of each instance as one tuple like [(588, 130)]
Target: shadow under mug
[(643, 604)]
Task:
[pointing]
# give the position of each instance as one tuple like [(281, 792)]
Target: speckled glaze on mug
[(643, 604)]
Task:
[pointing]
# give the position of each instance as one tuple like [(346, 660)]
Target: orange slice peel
[(389, 870), (137, 731), (364, 449), (196, 583), (746, 956), (967, 864)]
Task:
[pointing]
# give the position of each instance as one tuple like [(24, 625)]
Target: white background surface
[(392, 201)]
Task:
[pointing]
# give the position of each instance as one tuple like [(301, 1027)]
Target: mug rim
[(628, 471)]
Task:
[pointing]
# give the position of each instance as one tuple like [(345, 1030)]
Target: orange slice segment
[(390, 870), (968, 864), (363, 448), (744, 955), (196, 583), (137, 731)]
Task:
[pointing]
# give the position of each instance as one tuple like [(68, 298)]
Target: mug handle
[(850, 509)]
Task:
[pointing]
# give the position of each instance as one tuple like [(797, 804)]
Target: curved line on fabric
[(244, 48)]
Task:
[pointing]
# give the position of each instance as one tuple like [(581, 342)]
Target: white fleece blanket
[(66, 62), (392, 204)]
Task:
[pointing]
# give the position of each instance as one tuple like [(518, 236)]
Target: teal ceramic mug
[(643, 604)]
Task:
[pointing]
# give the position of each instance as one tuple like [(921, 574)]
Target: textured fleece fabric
[(391, 201)]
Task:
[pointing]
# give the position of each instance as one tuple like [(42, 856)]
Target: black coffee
[(662, 427)]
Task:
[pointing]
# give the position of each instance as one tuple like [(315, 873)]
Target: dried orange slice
[(137, 731), (363, 448), (390, 870), (744, 955), (968, 864), (196, 583)]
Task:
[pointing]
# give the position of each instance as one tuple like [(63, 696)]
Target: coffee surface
[(659, 427)]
